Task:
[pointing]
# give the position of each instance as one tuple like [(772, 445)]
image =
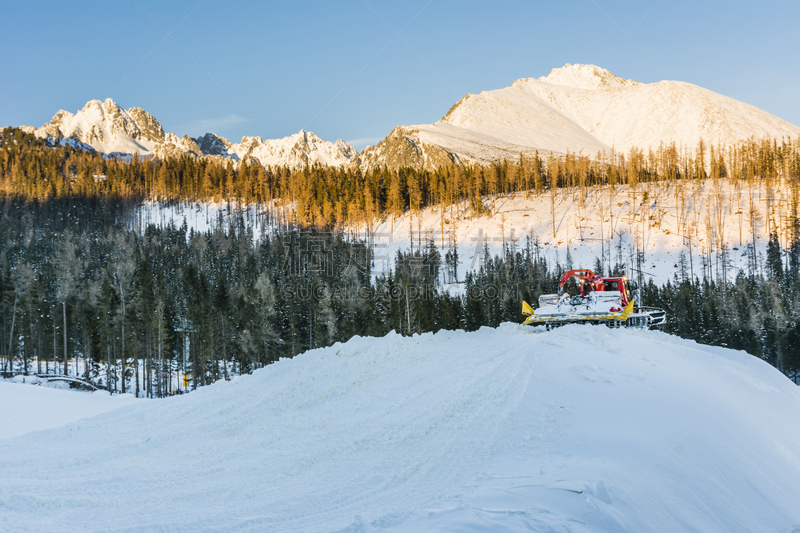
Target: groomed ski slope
[(511, 429)]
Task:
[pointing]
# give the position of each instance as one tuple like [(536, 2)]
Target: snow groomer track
[(576, 429)]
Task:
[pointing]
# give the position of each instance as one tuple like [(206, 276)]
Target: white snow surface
[(27, 407), (585, 108), (511, 429)]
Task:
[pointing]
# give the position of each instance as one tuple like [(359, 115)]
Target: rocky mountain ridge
[(110, 129), (576, 108)]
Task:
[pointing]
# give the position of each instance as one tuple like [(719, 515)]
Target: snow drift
[(577, 429), (27, 408)]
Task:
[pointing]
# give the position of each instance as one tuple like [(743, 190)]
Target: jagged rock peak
[(60, 117), (151, 129), (108, 128), (212, 144), (345, 149)]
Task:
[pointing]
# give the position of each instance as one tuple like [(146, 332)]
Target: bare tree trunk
[(136, 364), (55, 348), (64, 309), (39, 352), (33, 343), (87, 354), (146, 370), (122, 297), (9, 359), (408, 312), (160, 374)]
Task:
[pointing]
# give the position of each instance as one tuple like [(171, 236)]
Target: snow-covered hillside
[(578, 429), (662, 220), (611, 223), (584, 108)]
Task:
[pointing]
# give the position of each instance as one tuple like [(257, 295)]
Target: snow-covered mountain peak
[(296, 150), (53, 128), (576, 108), (587, 109), (108, 128), (106, 113), (148, 125), (305, 137), (60, 117), (585, 77), (345, 149), (250, 141), (300, 149)]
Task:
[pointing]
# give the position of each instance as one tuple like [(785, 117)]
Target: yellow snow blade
[(622, 316), (627, 311), (527, 310)]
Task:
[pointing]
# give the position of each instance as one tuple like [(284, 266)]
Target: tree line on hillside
[(330, 197), (133, 311)]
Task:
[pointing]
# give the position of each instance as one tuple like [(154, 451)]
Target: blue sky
[(355, 69)]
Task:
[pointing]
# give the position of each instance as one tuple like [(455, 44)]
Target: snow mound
[(28, 408), (578, 429)]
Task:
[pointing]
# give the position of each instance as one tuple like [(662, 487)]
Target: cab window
[(626, 285)]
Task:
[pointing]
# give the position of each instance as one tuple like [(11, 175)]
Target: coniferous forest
[(86, 291)]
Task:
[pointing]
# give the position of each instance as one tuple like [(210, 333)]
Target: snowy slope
[(29, 408), (607, 224), (584, 108), (579, 429)]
